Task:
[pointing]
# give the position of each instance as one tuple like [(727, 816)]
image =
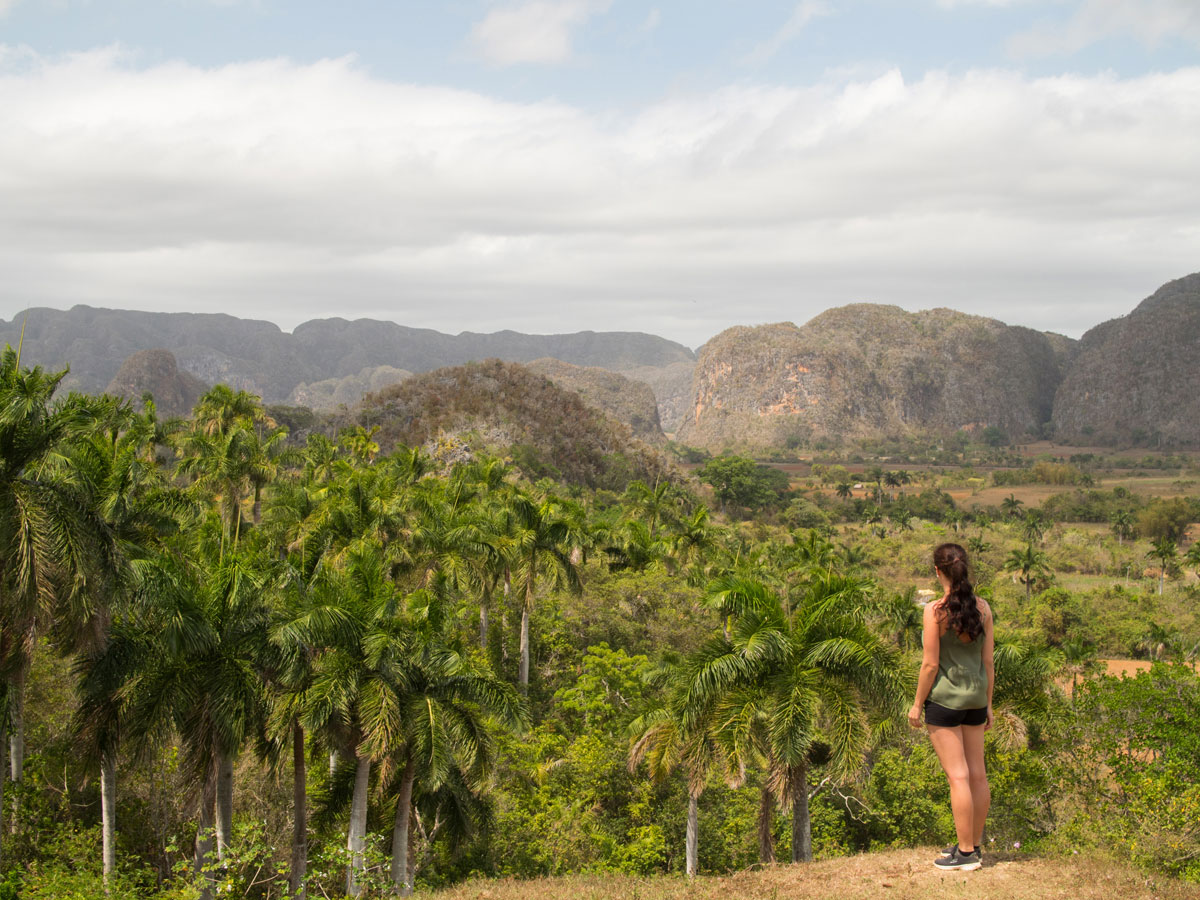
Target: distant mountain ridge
[(857, 371), (258, 356)]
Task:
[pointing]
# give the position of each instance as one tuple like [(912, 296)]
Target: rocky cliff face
[(867, 369), (156, 372), (1135, 378)]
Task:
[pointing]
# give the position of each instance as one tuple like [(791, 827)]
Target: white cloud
[(955, 4), (805, 12), (539, 31), (6, 5), (1148, 21), (290, 192)]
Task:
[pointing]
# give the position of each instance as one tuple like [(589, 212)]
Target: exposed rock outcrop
[(866, 369), (1134, 378)]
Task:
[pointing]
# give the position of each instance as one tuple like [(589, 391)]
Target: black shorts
[(944, 717)]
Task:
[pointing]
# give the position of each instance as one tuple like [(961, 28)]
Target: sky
[(675, 167)]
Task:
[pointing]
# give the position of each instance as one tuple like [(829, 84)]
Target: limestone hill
[(1134, 379), (155, 372), (507, 409), (866, 369)]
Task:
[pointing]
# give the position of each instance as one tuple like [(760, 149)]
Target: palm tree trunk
[(484, 603), (299, 817), (108, 813), (204, 832), (224, 803), (526, 609), (16, 709), (693, 834), (356, 838), (400, 880), (3, 775), (523, 678), (801, 824), (766, 815)]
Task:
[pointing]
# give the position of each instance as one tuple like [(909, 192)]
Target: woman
[(955, 692)]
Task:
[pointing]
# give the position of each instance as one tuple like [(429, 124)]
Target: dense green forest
[(235, 665)]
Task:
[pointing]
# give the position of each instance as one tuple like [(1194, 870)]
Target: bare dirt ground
[(896, 875)]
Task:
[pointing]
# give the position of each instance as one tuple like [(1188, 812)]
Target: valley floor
[(895, 875)]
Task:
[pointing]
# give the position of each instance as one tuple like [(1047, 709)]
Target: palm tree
[(351, 693), (1192, 557), (873, 518), (231, 465), (784, 680), (1079, 657), (1158, 641), (651, 504), (875, 474), (1122, 524), (1025, 691), (1165, 553), (45, 532), (1033, 526), (845, 490), (978, 545), (305, 619), (901, 615), (632, 547), (1011, 506), (133, 510), (893, 479), (539, 540), (671, 736), (694, 539), (1030, 564), (434, 718), (202, 628)]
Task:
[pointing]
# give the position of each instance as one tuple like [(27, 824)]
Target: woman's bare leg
[(981, 794), (948, 744)]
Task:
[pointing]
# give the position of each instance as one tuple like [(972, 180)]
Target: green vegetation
[(235, 664)]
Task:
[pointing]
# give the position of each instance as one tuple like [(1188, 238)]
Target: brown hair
[(962, 611)]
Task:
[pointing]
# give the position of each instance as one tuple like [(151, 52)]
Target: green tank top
[(961, 681)]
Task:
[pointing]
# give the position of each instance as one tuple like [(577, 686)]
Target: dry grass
[(896, 875)]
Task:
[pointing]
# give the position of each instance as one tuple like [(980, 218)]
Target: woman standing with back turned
[(955, 691)]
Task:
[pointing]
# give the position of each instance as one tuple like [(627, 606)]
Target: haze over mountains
[(857, 370)]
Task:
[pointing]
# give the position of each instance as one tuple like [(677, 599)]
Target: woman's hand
[(914, 716), (988, 723)]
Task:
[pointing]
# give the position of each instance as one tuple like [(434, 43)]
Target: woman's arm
[(988, 653), (930, 652)]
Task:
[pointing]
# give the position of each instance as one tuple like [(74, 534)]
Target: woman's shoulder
[(984, 609)]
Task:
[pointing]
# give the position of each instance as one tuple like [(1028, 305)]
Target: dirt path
[(896, 875)]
